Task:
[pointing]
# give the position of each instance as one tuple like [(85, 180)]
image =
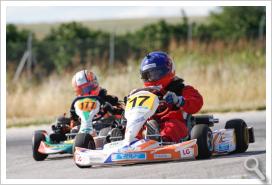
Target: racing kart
[(106, 129), (141, 107)]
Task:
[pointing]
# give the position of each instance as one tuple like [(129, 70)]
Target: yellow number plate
[(87, 104), (144, 100)]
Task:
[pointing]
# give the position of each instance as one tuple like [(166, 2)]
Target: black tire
[(241, 133), (38, 136), (84, 140), (104, 131), (116, 132), (204, 135)]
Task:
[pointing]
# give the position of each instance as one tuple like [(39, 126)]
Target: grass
[(124, 25), (230, 78)]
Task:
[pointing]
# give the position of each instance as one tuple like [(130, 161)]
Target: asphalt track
[(20, 164)]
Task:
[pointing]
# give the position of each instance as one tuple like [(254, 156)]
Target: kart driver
[(157, 69), (84, 83)]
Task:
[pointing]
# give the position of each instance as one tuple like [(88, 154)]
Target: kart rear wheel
[(84, 140), (241, 134), (104, 131), (115, 135), (204, 136), (38, 136)]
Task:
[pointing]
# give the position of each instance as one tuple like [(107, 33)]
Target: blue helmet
[(157, 69)]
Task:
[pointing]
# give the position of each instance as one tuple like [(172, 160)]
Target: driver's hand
[(172, 98), (108, 107)]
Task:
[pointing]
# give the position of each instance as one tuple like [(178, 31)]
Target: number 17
[(134, 100)]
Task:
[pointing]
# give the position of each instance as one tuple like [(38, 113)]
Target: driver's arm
[(193, 100), (113, 100), (73, 114)]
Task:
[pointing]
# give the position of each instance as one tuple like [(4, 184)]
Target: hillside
[(119, 25)]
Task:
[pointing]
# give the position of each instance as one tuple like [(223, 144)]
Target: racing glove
[(172, 98)]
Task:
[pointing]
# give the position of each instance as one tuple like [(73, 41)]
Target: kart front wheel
[(37, 138), (241, 134), (204, 136), (84, 140)]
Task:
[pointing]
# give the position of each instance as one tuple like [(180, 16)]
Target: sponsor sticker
[(148, 66), (223, 147), (128, 156), (78, 158), (187, 152), (81, 159), (162, 156)]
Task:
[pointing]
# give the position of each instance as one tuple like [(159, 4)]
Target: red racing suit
[(172, 125)]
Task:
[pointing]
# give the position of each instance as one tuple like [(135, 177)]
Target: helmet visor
[(154, 74)]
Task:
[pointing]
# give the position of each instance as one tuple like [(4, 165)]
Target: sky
[(49, 14)]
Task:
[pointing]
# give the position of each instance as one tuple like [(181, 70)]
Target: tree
[(16, 44), (238, 21), (65, 42)]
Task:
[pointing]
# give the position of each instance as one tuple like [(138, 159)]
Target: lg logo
[(186, 152)]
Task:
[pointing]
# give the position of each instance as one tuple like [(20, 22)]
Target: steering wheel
[(153, 89), (104, 109), (163, 108)]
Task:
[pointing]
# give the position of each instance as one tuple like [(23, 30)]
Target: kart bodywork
[(105, 129), (137, 152), (146, 150), (202, 143), (48, 147)]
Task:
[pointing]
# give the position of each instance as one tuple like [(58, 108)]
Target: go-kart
[(106, 129), (141, 107)]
